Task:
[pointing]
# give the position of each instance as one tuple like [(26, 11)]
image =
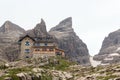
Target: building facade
[(38, 47)]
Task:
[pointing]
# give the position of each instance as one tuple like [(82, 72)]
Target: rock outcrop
[(67, 40), (39, 30), (9, 35), (110, 50)]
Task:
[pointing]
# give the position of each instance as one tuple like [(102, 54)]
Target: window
[(27, 43), (58, 53), (51, 49), (45, 44), (37, 44), (37, 49), (27, 57), (44, 49), (27, 50)]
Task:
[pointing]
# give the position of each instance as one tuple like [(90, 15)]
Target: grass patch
[(2, 78), (62, 64), (18, 70), (46, 77), (106, 77), (12, 73), (3, 67)]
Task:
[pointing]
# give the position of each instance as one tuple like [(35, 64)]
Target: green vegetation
[(12, 72), (58, 63), (18, 70), (106, 77), (2, 78), (46, 77), (46, 71), (14, 77), (2, 67)]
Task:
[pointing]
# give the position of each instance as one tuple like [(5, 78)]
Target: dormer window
[(27, 43)]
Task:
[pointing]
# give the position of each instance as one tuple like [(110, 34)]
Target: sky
[(93, 20)]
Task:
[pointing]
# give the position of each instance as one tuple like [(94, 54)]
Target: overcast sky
[(92, 19)]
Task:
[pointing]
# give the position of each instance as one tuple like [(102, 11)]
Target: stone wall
[(23, 47)]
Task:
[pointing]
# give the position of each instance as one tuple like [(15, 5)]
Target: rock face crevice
[(67, 40), (110, 50)]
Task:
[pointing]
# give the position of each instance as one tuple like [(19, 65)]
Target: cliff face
[(110, 50), (8, 27), (9, 35), (67, 40)]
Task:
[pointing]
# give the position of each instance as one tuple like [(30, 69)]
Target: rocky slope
[(110, 50), (67, 40), (25, 70), (9, 35)]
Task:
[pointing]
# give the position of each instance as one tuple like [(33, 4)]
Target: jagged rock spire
[(40, 29), (64, 26), (67, 22), (66, 38)]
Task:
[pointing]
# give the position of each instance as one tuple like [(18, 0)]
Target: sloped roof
[(38, 39), (21, 38)]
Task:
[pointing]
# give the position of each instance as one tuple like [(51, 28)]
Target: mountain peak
[(8, 26), (42, 21), (66, 20), (66, 23), (64, 26), (110, 49), (70, 42), (7, 22), (39, 30)]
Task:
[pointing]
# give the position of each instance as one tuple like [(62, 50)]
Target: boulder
[(8, 78)]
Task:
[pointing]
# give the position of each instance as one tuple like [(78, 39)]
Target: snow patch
[(111, 56), (118, 49), (114, 54), (108, 58), (94, 63), (103, 64)]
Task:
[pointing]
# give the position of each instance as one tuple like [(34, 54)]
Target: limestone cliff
[(67, 40), (110, 50), (9, 35)]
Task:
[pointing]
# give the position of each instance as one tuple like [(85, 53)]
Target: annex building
[(38, 46)]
